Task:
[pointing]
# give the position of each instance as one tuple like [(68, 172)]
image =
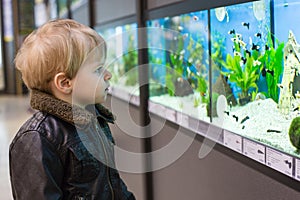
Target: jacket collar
[(70, 113)]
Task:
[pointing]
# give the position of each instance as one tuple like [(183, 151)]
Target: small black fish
[(258, 35), (243, 127), (226, 78), (255, 47), (244, 60), (267, 48), (231, 32), (265, 71), (248, 52), (270, 72), (245, 119), (236, 118), (274, 131), (295, 109), (246, 25), (226, 112)]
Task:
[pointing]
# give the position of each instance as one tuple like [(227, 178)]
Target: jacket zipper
[(107, 168)]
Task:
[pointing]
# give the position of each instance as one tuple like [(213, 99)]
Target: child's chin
[(101, 100)]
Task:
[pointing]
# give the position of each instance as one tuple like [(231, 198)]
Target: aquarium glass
[(178, 57), (255, 71), (122, 60)]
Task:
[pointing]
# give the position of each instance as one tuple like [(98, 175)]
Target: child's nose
[(107, 75)]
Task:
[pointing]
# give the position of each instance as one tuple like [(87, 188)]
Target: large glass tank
[(178, 57), (122, 60), (255, 67)]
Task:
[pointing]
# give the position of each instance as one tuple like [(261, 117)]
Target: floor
[(14, 111)]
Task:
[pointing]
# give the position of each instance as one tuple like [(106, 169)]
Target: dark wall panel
[(107, 11)]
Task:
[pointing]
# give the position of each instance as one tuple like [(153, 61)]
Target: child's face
[(92, 80)]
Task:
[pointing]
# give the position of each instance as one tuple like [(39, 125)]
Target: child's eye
[(99, 70)]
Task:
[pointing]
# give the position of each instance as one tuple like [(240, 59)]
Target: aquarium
[(122, 60), (179, 63), (255, 68)]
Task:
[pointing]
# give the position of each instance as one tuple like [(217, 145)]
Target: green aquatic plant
[(245, 76), (294, 132), (177, 69), (218, 49), (243, 68), (272, 61), (180, 78), (130, 60), (202, 88)]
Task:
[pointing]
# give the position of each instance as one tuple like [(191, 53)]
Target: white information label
[(279, 161), (151, 106), (297, 169), (182, 119), (233, 141), (254, 150), (157, 109), (171, 114)]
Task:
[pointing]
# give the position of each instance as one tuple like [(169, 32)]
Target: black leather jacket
[(65, 153)]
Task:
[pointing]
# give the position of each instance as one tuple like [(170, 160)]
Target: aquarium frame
[(188, 6), (116, 22)]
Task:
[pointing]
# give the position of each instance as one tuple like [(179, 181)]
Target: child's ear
[(63, 83)]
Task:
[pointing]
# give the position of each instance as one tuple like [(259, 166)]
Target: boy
[(65, 150)]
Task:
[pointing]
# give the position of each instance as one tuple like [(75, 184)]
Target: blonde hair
[(58, 46)]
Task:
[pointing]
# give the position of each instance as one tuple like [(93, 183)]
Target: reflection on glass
[(122, 60), (178, 56)]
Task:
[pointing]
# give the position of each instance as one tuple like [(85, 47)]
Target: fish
[(267, 48), (244, 60), (231, 32), (236, 53), (245, 119), (255, 47), (256, 62), (248, 52), (226, 112), (236, 118), (265, 71), (258, 35), (242, 43), (239, 36), (274, 131), (246, 25)]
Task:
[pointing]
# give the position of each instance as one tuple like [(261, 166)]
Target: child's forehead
[(95, 58), (97, 53)]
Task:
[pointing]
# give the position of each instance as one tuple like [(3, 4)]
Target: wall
[(222, 174)]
